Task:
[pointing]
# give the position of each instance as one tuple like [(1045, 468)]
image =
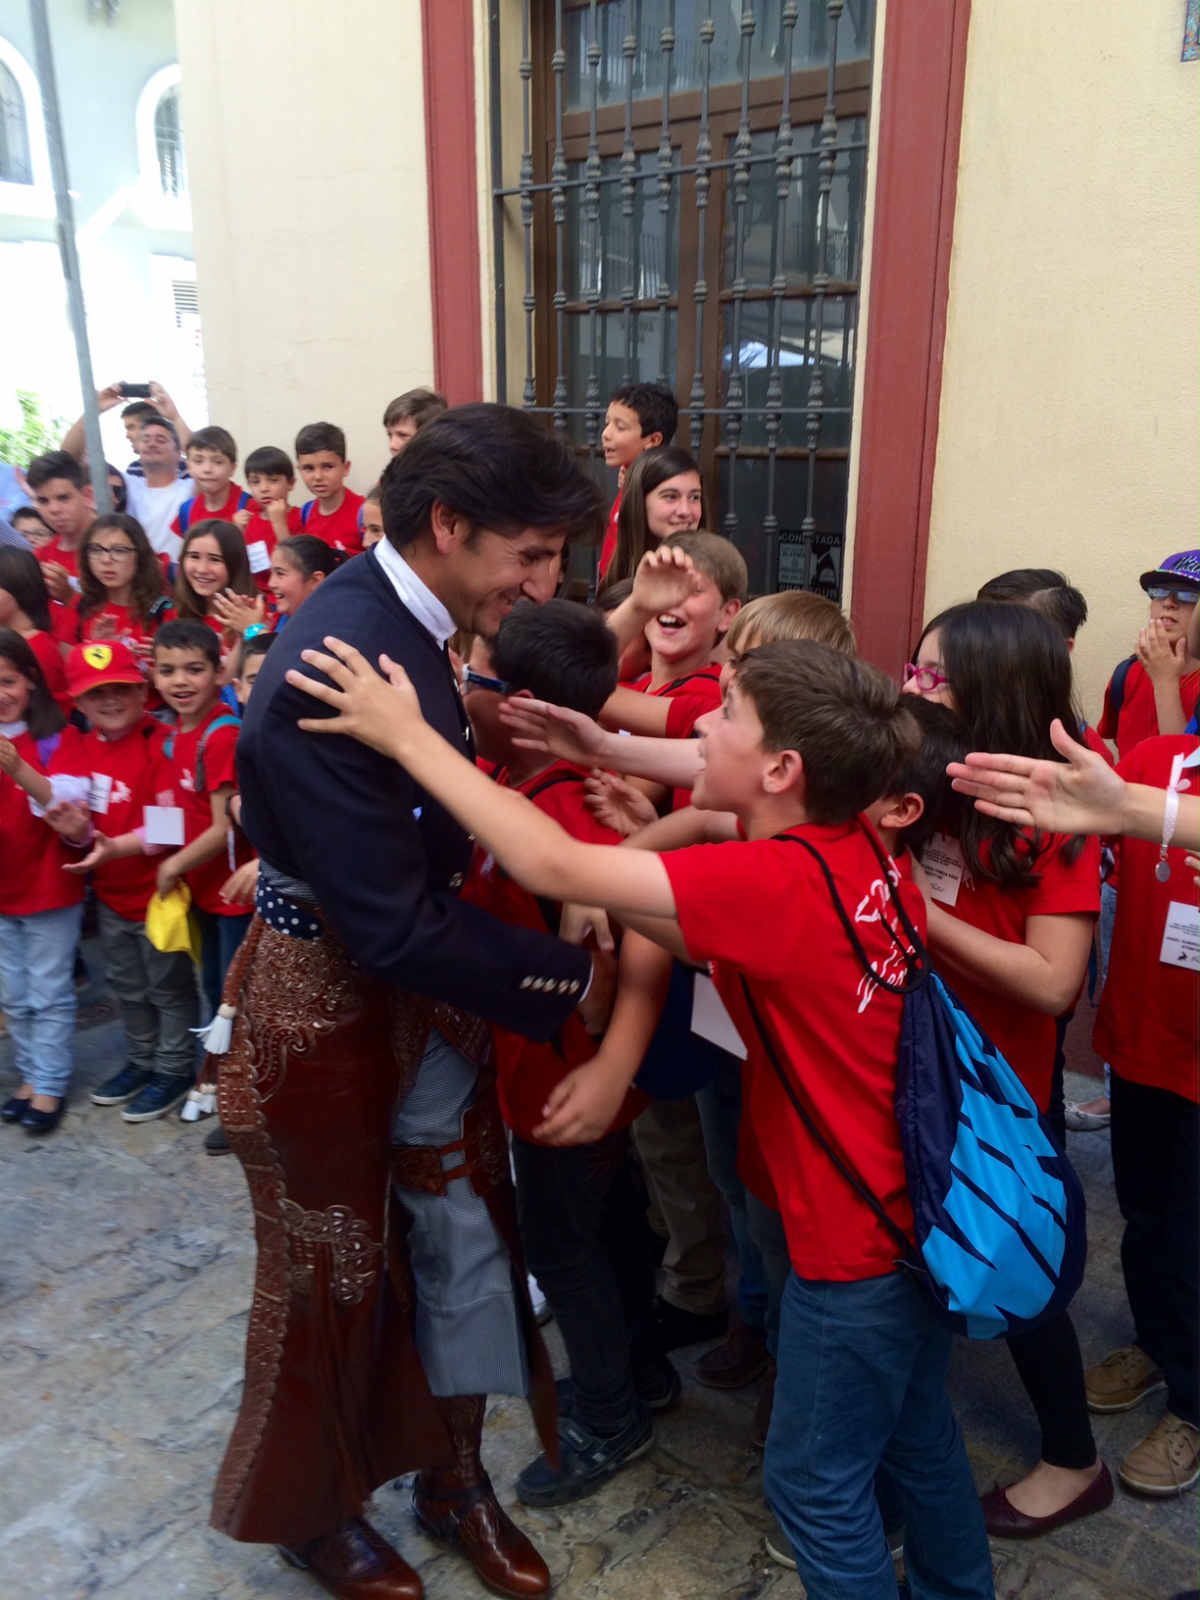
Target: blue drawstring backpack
[(999, 1213)]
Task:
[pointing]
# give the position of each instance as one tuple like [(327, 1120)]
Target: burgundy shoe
[(1004, 1521), (737, 1361), (471, 1519), (356, 1563)]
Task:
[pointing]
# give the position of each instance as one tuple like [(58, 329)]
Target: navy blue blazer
[(383, 858)]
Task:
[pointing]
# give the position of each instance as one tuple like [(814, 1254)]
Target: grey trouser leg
[(670, 1143), (468, 1329), (156, 991)]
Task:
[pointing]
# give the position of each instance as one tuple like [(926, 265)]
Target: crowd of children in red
[(658, 776)]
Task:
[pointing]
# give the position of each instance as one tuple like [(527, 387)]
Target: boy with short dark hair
[(270, 478), (31, 525), (581, 1207), (640, 417), (1154, 691), (62, 494), (408, 413), (332, 513), (807, 739), (211, 460)]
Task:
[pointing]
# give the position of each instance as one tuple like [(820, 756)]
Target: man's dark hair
[(847, 720), (422, 405), (55, 464), (249, 648), (157, 420), (561, 651), (497, 467), (655, 406), (138, 408), (316, 436), (943, 740), (271, 461), (214, 438), (183, 634), (1045, 590)]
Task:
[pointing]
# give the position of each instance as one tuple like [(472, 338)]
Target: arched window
[(168, 142), (15, 163)]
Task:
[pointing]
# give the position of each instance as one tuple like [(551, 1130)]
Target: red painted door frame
[(448, 50), (924, 64)]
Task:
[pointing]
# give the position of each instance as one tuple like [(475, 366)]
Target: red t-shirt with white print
[(182, 789)]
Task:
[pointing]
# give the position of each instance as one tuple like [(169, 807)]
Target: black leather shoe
[(13, 1110), (37, 1123)]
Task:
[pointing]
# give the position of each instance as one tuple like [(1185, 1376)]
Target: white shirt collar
[(13, 730), (415, 594)]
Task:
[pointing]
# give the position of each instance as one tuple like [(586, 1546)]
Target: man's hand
[(665, 578), (237, 612), (1160, 654), (582, 1108), (239, 890), (70, 821), (618, 804), (109, 397), (375, 710), (58, 581), (569, 735), (1079, 795), (579, 923), (596, 1007), (162, 402)]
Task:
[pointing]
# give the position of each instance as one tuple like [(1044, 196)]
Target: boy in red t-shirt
[(806, 738), (640, 417), (1155, 691), (104, 779), (333, 512), (271, 478), (1147, 1031), (63, 496), (211, 460), (582, 1209)]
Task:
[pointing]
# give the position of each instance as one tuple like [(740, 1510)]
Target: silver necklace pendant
[(1162, 871)]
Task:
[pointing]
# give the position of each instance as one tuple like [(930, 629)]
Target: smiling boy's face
[(695, 626), (185, 678)]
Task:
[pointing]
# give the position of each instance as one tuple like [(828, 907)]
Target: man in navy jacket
[(389, 1296)]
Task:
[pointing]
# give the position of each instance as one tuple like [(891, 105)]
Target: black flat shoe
[(13, 1110), (36, 1123)]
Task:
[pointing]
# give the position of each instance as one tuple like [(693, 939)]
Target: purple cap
[(1182, 570)]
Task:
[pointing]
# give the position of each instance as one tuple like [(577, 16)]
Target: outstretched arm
[(572, 736), (386, 714)]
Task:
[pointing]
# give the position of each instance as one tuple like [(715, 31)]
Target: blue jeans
[(219, 940), (37, 963), (720, 1106), (862, 1385)]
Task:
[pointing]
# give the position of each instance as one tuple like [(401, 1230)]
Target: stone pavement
[(126, 1266)]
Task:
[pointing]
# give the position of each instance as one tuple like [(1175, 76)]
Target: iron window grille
[(15, 163)]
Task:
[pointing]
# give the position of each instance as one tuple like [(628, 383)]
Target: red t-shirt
[(50, 659), (126, 775), (762, 909), (238, 499), (341, 528), (526, 1071), (128, 624), (1138, 717), (180, 783), (1025, 1037), (52, 551), (609, 548), (1094, 742), (260, 529), (1147, 1027), (64, 621), (32, 855), (691, 696)]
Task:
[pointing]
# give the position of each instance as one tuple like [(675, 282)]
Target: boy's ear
[(346, 465), (901, 810), (728, 611), (784, 771), (651, 441)]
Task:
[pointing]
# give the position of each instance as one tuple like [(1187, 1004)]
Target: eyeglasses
[(113, 551), (927, 678), (476, 680), (1183, 597)]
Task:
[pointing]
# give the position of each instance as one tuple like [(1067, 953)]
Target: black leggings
[(1050, 1366)]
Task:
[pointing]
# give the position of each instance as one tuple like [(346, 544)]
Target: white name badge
[(163, 824), (711, 1020), (259, 556), (1181, 937), (943, 863), (99, 792)]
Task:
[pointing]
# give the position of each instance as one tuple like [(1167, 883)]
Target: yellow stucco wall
[(1069, 418), (306, 153)]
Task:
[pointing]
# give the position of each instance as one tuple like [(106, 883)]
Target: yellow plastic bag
[(170, 925)]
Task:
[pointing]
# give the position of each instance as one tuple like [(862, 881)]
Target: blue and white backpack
[(999, 1213)]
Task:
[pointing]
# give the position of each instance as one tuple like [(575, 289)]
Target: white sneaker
[(541, 1306), (1080, 1121)]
